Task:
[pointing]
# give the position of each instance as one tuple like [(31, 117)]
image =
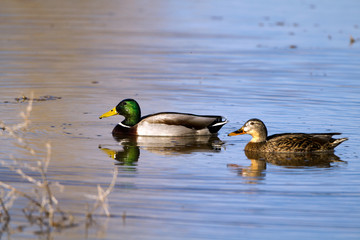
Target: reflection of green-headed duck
[(286, 142), (162, 124), (128, 156)]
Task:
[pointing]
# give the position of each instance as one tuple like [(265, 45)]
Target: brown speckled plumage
[(286, 142)]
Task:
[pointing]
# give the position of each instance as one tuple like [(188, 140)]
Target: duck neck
[(131, 120), (258, 137)]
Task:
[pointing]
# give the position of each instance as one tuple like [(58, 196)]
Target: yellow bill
[(109, 152), (110, 113)]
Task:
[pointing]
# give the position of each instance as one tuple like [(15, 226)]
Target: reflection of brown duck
[(319, 159), (255, 171), (286, 142)]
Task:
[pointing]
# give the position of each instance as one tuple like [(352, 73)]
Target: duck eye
[(124, 103), (251, 123)]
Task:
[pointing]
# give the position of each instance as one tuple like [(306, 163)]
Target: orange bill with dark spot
[(237, 132)]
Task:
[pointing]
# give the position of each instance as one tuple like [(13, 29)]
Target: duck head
[(254, 127), (128, 108)]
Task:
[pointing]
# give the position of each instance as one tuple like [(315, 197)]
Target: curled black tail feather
[(217, 124)]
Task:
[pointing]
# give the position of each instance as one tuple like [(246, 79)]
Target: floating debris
[(293, 46), (39, 99), (352, 40), (22, 99)]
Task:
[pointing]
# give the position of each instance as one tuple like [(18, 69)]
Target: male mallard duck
[(162, 124), (286, 142)]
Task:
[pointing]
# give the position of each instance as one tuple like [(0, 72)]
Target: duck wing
[(303, 142), (192, 121)]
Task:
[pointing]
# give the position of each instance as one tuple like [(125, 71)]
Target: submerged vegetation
[(42, 206)]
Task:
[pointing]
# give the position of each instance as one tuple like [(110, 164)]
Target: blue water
[(291, 65)]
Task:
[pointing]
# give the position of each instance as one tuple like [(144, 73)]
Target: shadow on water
[(256, 170), (130, 147)]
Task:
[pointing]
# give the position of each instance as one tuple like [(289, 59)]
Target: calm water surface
[(291, 65)]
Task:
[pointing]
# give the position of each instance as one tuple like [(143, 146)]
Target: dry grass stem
[(43, 208), (102, 197)]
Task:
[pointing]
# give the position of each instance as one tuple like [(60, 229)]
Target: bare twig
[(43, 209), (5, 218), (101, 198), (6, 213), (20, 193)]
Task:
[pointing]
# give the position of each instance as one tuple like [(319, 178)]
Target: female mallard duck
[(162, 124), (286, 142)]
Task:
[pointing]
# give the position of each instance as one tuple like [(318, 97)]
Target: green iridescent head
[(128, 108)]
